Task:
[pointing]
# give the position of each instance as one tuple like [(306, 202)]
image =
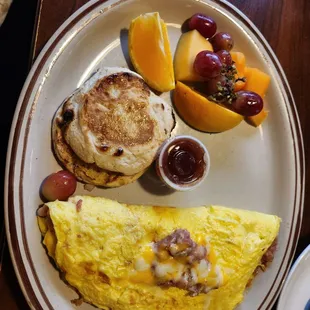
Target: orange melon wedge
[(201, 113), (150, 53)]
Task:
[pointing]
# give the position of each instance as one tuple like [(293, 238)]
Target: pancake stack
[(107, 133)]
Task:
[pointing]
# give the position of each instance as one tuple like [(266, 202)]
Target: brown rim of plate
[(12, 227)]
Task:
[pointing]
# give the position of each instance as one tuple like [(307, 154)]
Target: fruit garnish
[(190, 44), (222, 41), (258, 119), (221, 88), (256, 81), (225, 57), (247, 103), (208, 65), (204, 24), (60, 185), (239, 62), (201, 113), (223, 77), (149, 50)]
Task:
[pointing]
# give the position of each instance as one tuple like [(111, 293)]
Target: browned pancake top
[(116, 110)]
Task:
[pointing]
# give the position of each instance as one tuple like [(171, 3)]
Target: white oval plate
[(296, 294), (257, 169)]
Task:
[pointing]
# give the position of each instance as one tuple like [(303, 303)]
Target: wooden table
[(286, 26)]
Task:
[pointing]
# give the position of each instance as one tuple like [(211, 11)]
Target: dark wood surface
[(286, 26)]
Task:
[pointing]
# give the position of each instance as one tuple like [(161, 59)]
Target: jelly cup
[(162, 163)]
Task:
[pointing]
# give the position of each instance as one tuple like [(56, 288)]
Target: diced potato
[(190, 44)]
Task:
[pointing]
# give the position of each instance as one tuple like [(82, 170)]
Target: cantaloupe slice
[(190, 44), (150, 53), (201, 113), (239, 60), (258, 82), (258, 119)]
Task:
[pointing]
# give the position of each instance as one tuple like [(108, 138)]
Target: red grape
[(225, 57), (247, 103), (60, 185), (208, 64), (204, 24), (213, 86), (222, 41)]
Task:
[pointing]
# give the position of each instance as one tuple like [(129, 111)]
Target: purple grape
[(59, 185), (208, 65), (225, 57), (215, 85), (247, 103), (204, 24), (222, 41)]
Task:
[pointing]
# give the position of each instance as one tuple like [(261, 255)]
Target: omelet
[(126, 257)]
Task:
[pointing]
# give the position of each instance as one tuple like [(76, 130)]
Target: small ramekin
[(161, 173)]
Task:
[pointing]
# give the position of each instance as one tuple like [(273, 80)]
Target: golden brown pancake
[(108, 132), (88, 173), (117, 122)]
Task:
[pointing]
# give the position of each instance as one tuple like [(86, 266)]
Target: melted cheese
[(202, 270), (148, 254), (215, 277), (150, 266), (145, 277), (212, 256), (169, 271), (141, 264), (202, 240)]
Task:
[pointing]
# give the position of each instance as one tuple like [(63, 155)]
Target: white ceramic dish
[(165, 149), (258, 169), (296, 294)]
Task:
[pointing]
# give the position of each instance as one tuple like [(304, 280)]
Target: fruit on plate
[(247, 103), (150, 53), (258, 119), (201, 113), (226, 86), (60, 185), (218, 88), (204, 24), (239, 60), (222, 41), (190, 44), (208, 65), (256, 81), (225, 58)]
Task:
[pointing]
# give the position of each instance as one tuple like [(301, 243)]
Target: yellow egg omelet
[(125, 257)]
